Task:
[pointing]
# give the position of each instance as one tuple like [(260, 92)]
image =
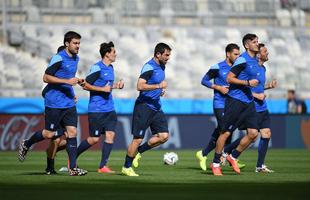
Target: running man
[(219, 73), (60, 109), (147, 111), (102, 117)]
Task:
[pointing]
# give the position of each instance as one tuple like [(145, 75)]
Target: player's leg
[(95, 127), (109, 125), (51, 151), (62, 144), (159, 128), (264, 142), (140, 122), (52, 121), (262, 149), (106, 149), (202, 154), (233, 108), (50, 156), (131, 153), (69, 120), (251, 123)]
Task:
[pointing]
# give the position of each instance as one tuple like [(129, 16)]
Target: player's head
[(232, 51), (107, 51), (263, 53), (250, 42), (60, 48), (290, 94), (162, 53), (72, 42)]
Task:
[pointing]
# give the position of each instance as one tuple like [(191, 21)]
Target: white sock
[(216, 164)]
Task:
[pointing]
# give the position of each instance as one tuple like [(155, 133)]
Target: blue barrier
[(125, 106)]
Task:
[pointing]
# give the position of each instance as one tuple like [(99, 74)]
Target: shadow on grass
[(135, 188)]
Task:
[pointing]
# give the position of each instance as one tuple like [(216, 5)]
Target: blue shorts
[(101, 122), (263, 119), (219, 114), (239, 113), (144, 117), (59, 132), (58, 118)]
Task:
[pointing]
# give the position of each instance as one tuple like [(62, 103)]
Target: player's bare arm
[(118, 85), (143, 86), (232, 79), (54, 80), (221, 89), (259, 96), (271, 85), (89, 87)]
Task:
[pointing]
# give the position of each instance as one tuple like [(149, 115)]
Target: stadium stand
[(197, 30)]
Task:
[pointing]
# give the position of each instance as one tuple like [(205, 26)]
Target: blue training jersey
[(61, 95), (245, 68), (261, 77), (218, 72), (153, 73), (100, 75)]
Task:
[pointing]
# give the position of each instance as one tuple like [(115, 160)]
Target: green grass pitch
[(185, 180)]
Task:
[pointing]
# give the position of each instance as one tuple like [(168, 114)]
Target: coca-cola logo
[(17, 128)]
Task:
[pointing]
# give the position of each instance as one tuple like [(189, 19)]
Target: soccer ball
[(171, 158)]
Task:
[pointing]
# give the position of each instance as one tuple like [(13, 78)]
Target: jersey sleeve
[(54, 65), (146, 72), (211, 74), (238, 66), (93, 74)]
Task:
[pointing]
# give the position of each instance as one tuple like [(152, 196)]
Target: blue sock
[(144, 147), (50, 163), (72, 151), (35, 138), (128, 161), (106, 150), (235, 153), (217, 157), (210, 147), (228, 148), (84, 145), (212, 142), (262, 150)]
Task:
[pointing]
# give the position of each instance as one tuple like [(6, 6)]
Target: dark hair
[(60, 48), (247, 37), (105, 48), (291, 91), (261, 45), (71, 35), (160, 48), (230, 47)]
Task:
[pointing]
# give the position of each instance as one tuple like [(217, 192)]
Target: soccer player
[(239, 104), (263, 117), (102, 117), (57, 141), (262, 110), (218, 72), (59, 102), (147, 111)]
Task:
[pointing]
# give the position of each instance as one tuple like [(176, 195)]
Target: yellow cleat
[(135, 162), (240, 164), (202, 160), (129, 172)]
